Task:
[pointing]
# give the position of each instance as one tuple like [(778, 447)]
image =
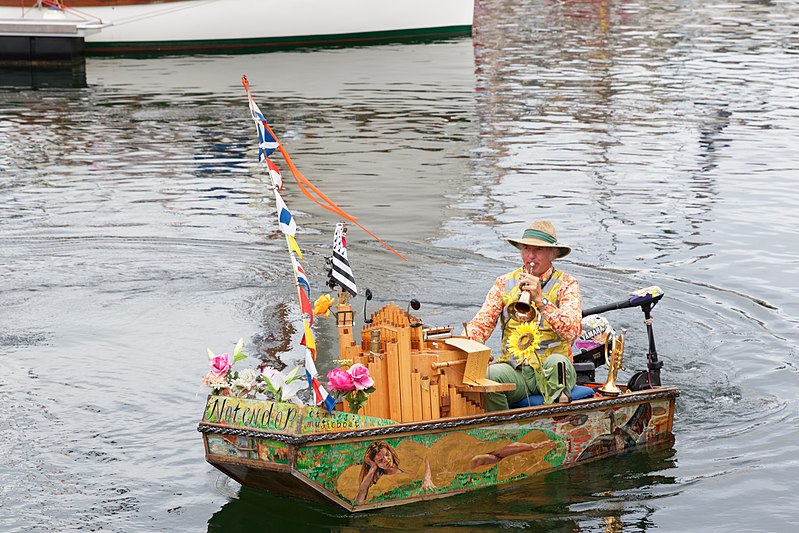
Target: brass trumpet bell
[(522, 310)]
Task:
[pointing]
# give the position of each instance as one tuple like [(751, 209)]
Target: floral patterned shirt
[(565, 319)]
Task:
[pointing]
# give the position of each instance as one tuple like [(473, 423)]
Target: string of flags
[(341, 273), (267, 144)]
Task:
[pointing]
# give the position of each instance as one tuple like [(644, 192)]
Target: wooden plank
[(456, 406), (377, 395), (467, 345), (476, 367), (492, 386), (443, 385), (404, 352), (383, 371), (427, 413), (435, 398), (374, 402), (394, 399), (416, 392)]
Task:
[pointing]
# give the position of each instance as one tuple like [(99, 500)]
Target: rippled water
[(135, 231)]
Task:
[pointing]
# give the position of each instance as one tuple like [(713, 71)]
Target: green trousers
[(527, 381)]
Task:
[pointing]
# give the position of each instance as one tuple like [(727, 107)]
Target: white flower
[(290, 390), (246, 379), (284, 385)]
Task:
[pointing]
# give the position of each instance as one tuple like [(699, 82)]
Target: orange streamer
[(302, 182)]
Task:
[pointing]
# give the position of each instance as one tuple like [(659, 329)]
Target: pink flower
[(215, 382), (220, 364), (340, 381), (360, 376)]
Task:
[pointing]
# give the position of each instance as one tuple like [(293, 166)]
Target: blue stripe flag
[(321, 397), (285, 220)]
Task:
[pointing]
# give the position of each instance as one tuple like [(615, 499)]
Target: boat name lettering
[(260, 415)]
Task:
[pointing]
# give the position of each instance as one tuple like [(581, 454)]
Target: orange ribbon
[(303, 182)]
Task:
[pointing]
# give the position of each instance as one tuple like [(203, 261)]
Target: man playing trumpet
[(534, 344)]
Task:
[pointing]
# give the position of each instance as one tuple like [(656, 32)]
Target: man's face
[(538, 259)]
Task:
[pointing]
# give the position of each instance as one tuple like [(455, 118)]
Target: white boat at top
[(133, 26)]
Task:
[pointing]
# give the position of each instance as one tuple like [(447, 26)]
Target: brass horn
[(614, 364), (522, 310)]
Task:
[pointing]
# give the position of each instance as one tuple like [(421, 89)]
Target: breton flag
[(320, 395), (341, 271), (274, 173), (284, 219)]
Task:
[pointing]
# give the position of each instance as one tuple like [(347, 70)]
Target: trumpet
[(522, 310), (614, 364)]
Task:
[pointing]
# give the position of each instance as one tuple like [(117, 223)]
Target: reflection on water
[(44, 77), (136, 232)]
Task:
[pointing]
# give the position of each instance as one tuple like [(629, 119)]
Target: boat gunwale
[(511, 415)]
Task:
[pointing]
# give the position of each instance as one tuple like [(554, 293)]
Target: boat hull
[(193, 25), (306, 453)]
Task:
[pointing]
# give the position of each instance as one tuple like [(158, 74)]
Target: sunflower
[(523, 342)]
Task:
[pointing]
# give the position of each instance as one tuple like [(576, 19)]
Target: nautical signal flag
[(293, 246), (266, 141), (299, 274), (321, 397), (285, 220), (274, 173), (305, 304), (308, 340), (302, 280)]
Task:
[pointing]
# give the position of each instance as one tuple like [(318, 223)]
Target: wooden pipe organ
[(417, 376)]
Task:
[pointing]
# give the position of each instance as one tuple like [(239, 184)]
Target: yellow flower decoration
[(523, 342), (322, 305)]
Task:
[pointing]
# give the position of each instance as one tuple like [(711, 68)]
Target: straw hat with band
[(541, 233)]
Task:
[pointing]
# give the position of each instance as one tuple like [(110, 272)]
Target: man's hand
[(531, 283)]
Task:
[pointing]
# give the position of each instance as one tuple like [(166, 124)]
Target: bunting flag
[(267, 143), (285, 220), (321, 397), (300, 276), (293, 246), (274, 173), (308, 340), (305, 305), (341, 271)]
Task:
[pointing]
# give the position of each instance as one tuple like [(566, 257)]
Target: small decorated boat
[(414, 425), (136, 26)]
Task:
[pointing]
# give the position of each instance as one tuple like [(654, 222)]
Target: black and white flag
[(341, 271)]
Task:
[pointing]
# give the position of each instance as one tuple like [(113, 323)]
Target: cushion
[(578, 393)]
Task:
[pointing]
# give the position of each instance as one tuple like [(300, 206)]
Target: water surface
[(136, 230)]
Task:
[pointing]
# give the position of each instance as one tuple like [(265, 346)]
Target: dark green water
[(136, 230)]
